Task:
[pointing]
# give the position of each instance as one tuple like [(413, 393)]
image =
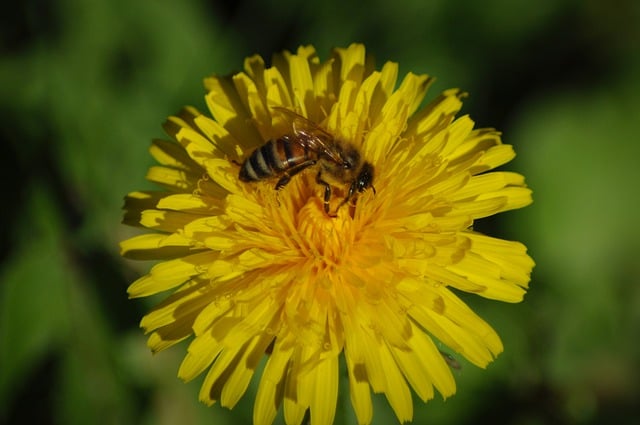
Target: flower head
[(256, 272)]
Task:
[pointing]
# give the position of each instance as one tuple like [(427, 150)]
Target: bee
[(308, 145)]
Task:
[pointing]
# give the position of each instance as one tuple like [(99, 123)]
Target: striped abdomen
[(273, 159)]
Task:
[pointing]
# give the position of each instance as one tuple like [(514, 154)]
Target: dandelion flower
[(264, 279)]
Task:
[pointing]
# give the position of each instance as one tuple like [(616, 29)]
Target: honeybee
[(308, 145)]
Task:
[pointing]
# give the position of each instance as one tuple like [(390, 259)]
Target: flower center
[(328, 239)]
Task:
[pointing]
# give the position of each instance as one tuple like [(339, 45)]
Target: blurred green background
[(85, 86)]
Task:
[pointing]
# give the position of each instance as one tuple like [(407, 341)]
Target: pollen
[(329, 238)]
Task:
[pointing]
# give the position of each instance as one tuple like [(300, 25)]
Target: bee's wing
[(311, 135)]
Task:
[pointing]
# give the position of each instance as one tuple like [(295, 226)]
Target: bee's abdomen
[(272, 159)]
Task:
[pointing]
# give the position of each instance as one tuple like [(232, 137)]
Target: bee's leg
[(327, 192), (352, 190), (292, 172)]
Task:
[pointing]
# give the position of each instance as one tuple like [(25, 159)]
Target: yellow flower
[(255, 272)]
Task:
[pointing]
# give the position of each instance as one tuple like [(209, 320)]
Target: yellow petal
[(173, 179), (302, 85), (436, 115), (493, 157), (439, 373), (187, 202), (293, 412), (513, 197), (489, 182), (351, 62), (227, 109), (515, 265), (238, 381), (324, 90), (397, 391), (324, 391), (168, 336), (154, 246), (166, 221), (385, 88), (413, 369), (359, 392), (167, 275), (185, 302), (277, 90), (172, 155), (270, 389), (254, 67), (202, 351), (488, 274), (467, 340)]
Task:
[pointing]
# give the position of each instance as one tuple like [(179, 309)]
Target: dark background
[(85, 85)]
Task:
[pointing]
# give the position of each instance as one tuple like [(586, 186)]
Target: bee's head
[(364, 180)]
